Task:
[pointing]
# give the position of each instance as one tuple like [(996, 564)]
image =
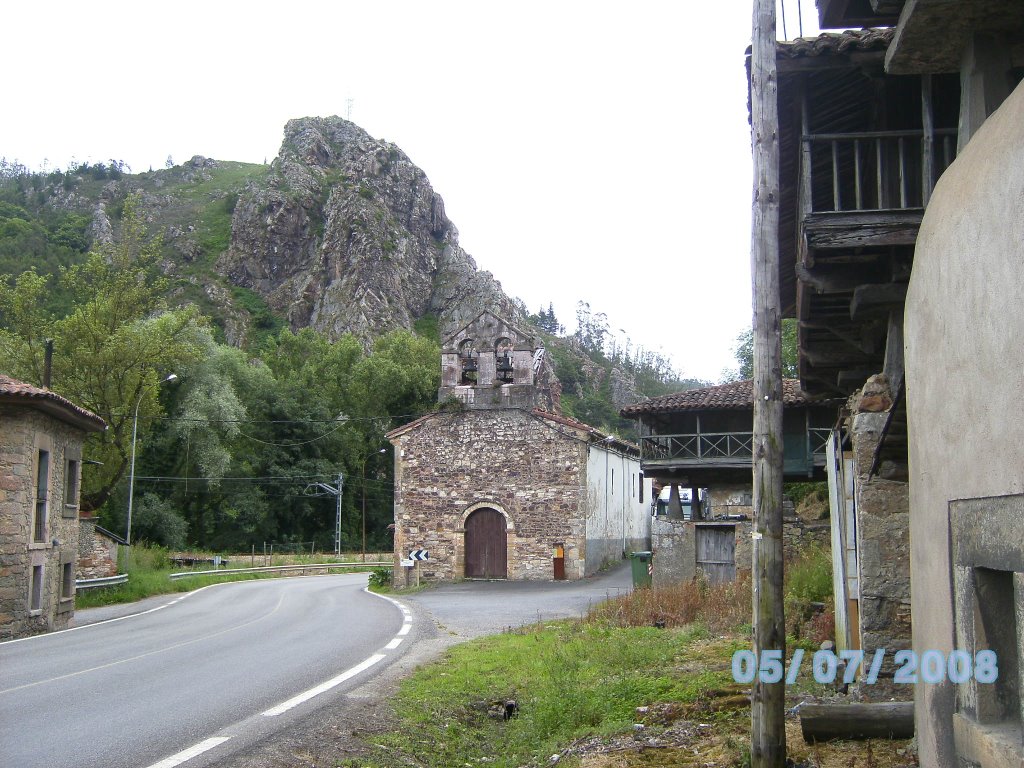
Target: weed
[(380, 578)]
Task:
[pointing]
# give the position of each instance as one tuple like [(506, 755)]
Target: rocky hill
[(347, 235), (341, 232)]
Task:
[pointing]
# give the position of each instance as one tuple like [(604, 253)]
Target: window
[(71, 488), (641, 487), (67, 581), (35, 600), (42, 485)]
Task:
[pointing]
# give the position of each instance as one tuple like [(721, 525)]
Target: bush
[(155, 521), (380, 578), (808, 588), (718, 607)]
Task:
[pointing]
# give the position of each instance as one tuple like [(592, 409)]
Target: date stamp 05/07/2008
[(932, 667)]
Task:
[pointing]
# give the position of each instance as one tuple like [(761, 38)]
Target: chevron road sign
[(419, 554)]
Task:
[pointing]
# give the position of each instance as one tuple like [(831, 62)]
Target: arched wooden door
[(486, 545)]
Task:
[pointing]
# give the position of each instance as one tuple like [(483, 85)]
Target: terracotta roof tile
[(869, 39), (734, 395), (14, 391)]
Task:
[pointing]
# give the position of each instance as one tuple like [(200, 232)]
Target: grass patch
[(569, 680), (608, 691)]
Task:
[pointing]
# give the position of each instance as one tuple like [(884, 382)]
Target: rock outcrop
[(349, 236)]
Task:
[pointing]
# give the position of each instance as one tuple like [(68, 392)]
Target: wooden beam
[(767, 710), (874, 297), (851, 379), (838, 230), (828, 282), (889, 720), (833, 358)]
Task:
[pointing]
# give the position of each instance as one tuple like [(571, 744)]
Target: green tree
[(112, 346), (744, 353)]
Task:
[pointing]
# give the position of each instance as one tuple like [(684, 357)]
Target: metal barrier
[(280, 568), (103, 581)]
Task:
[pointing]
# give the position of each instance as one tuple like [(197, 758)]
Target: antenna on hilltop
[(348, 108)]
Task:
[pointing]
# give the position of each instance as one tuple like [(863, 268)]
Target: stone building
[(701, 439), (97, 550), (41, 436), (497, 484)]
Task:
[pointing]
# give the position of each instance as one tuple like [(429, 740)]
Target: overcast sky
[(591, 151)]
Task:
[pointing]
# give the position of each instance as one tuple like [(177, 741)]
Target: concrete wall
[(617, 521), (965, 378), (23, 432), (533, 471)]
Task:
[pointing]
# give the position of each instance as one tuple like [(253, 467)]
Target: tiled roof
[(734, 395), (850, 41), (18, 392)]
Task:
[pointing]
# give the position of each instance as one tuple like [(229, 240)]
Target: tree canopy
[(228, 452)]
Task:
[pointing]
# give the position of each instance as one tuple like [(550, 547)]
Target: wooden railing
[(879, 170), (715, 447), (704, 446), (817, 440)]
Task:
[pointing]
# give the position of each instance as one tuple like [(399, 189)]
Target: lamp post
[(382, 450), (131, 473)]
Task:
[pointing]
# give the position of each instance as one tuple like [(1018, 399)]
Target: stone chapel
[(497, 484)]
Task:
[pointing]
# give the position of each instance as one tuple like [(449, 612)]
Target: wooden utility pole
[(768, 727)]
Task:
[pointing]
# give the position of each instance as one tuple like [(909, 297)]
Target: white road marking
[(193, 751), (324, 687), (393, 644), (405, 629)]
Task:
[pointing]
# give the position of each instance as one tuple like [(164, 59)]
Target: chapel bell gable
[(490, 363)]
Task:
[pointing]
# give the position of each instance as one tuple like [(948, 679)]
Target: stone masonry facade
[(97, 553), (883, 532), (675, 553), (25, 432), (530, 469)]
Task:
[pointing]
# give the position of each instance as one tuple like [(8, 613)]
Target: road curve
[(206, 674)]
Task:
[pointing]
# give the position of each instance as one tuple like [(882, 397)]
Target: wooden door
[(716, 552), (486, 545)]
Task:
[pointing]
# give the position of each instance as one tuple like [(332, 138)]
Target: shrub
[(719, 607), (156, 522), (380, 578)]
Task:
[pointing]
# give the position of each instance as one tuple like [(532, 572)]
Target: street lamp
[(131, 473), (382, 450)]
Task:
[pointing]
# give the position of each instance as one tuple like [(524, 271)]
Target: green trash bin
[(642, 568)]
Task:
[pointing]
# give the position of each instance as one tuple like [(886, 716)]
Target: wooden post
[(768, 732), (927, 141)]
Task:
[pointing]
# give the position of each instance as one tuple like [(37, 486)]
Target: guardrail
[(102, 581), (281, 568)]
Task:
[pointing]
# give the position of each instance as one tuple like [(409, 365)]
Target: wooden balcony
[(803, 452), (870, 188)]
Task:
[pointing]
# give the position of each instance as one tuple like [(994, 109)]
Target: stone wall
[(97, 554), (23, 432), (530, 470), (674, 541), (883, 533)]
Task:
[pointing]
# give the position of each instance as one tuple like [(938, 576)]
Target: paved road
[(130, 693), (473, 608), (138, 686)]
